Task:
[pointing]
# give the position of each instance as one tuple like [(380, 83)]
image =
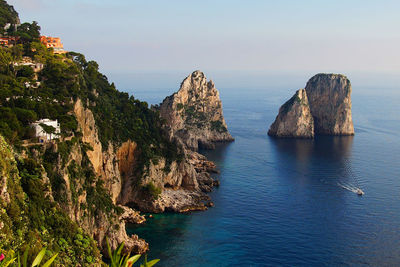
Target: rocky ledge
[(131, 216), (194, 113), (322, 108)]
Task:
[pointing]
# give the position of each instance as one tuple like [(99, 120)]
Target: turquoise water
[(280, 202)]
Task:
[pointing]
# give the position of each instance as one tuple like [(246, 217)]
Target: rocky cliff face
[(25, 190), (294, 118), (181, 183), (105, 163), (194, 113), (330, 104), (97, 187), (8, 170), (107, 166), (323, 107)]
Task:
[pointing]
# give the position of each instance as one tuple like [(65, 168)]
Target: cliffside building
[(53, 42), (8, 41), (44, 135), (27, 61)]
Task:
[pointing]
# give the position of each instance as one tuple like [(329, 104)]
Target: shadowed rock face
[(330, 104), (194, 113), (322, 108), (294, 118)]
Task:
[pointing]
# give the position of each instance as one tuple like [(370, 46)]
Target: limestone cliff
[(322, 108), (294, 118), (106, 165), (330, 104), (8, 170), (181, 186), (26, 193), (181, 183), (194, 113), (97, 187)]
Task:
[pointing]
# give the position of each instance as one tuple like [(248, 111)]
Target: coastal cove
[(280, 201), (199, 134)]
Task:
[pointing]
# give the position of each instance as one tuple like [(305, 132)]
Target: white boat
[(359, 192)]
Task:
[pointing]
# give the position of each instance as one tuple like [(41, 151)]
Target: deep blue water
[(280, 203)]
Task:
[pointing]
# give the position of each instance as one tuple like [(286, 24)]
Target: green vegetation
[(199, 119), (12, 260), (47, 187), (194, 117), (30, 219), (64, 79), (117, 258), (120, 117), (152, 190), (218, 126), (288, 104), (7, 14)]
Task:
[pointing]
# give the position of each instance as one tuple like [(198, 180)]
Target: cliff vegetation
[(52, 195)]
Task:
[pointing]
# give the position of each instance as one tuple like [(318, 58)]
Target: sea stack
[(294, 119), (194, 113), (327, 98)]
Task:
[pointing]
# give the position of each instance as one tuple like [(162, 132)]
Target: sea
[(288, 202)]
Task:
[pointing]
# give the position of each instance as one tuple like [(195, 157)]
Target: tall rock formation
[(108, 165), (330, 104), (322, 108), (294, 118), (194, 113)]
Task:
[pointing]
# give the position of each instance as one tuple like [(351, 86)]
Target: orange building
[(53, 42), (8, 41)]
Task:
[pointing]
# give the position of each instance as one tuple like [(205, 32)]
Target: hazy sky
[(265, 35)]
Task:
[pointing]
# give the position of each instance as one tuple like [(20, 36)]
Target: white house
[(41, 133)]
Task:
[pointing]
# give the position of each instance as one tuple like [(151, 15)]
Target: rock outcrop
[(108, 165), (181, 188), (194, 113), (294, 118), (105, 163), (322, 108), (330, 104), (182, 184)]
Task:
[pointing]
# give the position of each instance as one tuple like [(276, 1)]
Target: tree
[(28, 32), (48, 129), (25, 71)]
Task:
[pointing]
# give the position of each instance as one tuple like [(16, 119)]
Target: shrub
[(117, 259), (153, 190)]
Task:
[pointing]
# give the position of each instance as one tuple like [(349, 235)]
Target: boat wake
[(351, 188)]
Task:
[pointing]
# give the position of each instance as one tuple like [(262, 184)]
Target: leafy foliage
[(28, 32), (152, 190), (118, 259), (37, 215), (38, 259), (31, 219), (7, 14), (218, 126)]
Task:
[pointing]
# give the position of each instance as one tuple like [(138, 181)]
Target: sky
[(308, 36)]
